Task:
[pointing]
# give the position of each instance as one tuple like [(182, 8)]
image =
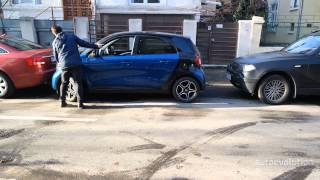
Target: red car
[(23, 64)]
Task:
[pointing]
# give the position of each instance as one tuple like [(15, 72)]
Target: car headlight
[(248, 67)]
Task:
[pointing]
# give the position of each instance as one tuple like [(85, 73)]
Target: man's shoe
[(80, 105), (63, 104)]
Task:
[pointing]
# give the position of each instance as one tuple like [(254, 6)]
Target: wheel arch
[(281, 73), (182, 76), (6, 74)]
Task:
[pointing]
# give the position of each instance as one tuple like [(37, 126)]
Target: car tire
[(274, 90), (185, 89), (71, 94), (6, 86)]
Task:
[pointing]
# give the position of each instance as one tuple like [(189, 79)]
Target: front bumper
[(242, 82)]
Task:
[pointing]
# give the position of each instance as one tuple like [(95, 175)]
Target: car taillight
[(37, 61), (197, 61)]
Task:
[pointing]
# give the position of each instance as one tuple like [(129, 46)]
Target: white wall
[(249, 36), (189, 4)]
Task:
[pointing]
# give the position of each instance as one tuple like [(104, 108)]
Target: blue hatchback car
[(141, 62)]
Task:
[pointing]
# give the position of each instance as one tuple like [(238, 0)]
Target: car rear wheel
[(71, 94), (185, 89), (275, 90), (6, 86)]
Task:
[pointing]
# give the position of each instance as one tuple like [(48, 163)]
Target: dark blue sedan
[(142, 62)]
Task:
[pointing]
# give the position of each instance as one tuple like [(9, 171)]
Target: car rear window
[(20, 44), (184, 45)]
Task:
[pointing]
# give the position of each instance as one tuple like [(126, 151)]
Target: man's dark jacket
[(65, 50)]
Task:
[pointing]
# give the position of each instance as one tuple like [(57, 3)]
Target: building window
[(153, 1), (292, 28), (295, 4), (145, 1), (26, 1)]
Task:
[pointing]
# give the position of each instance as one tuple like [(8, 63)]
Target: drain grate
[(7, 133)]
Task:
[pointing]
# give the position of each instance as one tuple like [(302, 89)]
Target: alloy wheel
[(187, 90), (275, 90), (3, 86)]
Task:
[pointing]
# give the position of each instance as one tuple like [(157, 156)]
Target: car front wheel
[(71, 94), (275, 90), (6, 86), (185, 89)]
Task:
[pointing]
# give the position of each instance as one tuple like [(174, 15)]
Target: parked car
[(277, 77), (23, 64), (141, 62)]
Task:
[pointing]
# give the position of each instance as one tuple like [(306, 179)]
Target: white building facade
[(171, 16), (38, 9)]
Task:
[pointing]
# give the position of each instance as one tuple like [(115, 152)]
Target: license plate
[(229, 76)]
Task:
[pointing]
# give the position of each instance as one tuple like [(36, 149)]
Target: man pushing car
[(66, 53)]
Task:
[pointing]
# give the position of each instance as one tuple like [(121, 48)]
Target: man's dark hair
[(57, 29)]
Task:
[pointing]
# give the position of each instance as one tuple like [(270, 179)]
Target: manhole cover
[(6, 133)]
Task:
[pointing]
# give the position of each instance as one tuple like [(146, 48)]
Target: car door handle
[(125, 62), (297, 66), (164, 61)]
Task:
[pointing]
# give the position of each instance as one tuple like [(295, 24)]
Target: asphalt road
[(225, 134)]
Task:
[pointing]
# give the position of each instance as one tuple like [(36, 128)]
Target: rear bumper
[(200, 76), (34, 79)]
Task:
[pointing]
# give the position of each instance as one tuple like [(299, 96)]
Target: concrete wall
[(249, 37), (190, 29)]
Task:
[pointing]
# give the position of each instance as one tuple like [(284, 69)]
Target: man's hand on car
[(99, 45)]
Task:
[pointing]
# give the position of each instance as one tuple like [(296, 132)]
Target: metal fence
[(11, 27), (44, 34)]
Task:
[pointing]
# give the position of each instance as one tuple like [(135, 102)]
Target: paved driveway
[(224, 135)]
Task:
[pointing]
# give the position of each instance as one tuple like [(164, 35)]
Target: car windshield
[(20, 44), (304, 45)]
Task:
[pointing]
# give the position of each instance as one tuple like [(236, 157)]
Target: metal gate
[(111, 23), (217, 42)]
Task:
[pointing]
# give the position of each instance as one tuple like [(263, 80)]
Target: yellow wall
[(286, 16)]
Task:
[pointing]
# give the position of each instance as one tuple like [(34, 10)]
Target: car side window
[(2, 51), (122, 46), (151, 45)]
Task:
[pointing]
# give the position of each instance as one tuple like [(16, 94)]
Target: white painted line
[(160, 104), (13, 101), (46, 118)]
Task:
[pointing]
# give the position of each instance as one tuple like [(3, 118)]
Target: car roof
[(150, 33)]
